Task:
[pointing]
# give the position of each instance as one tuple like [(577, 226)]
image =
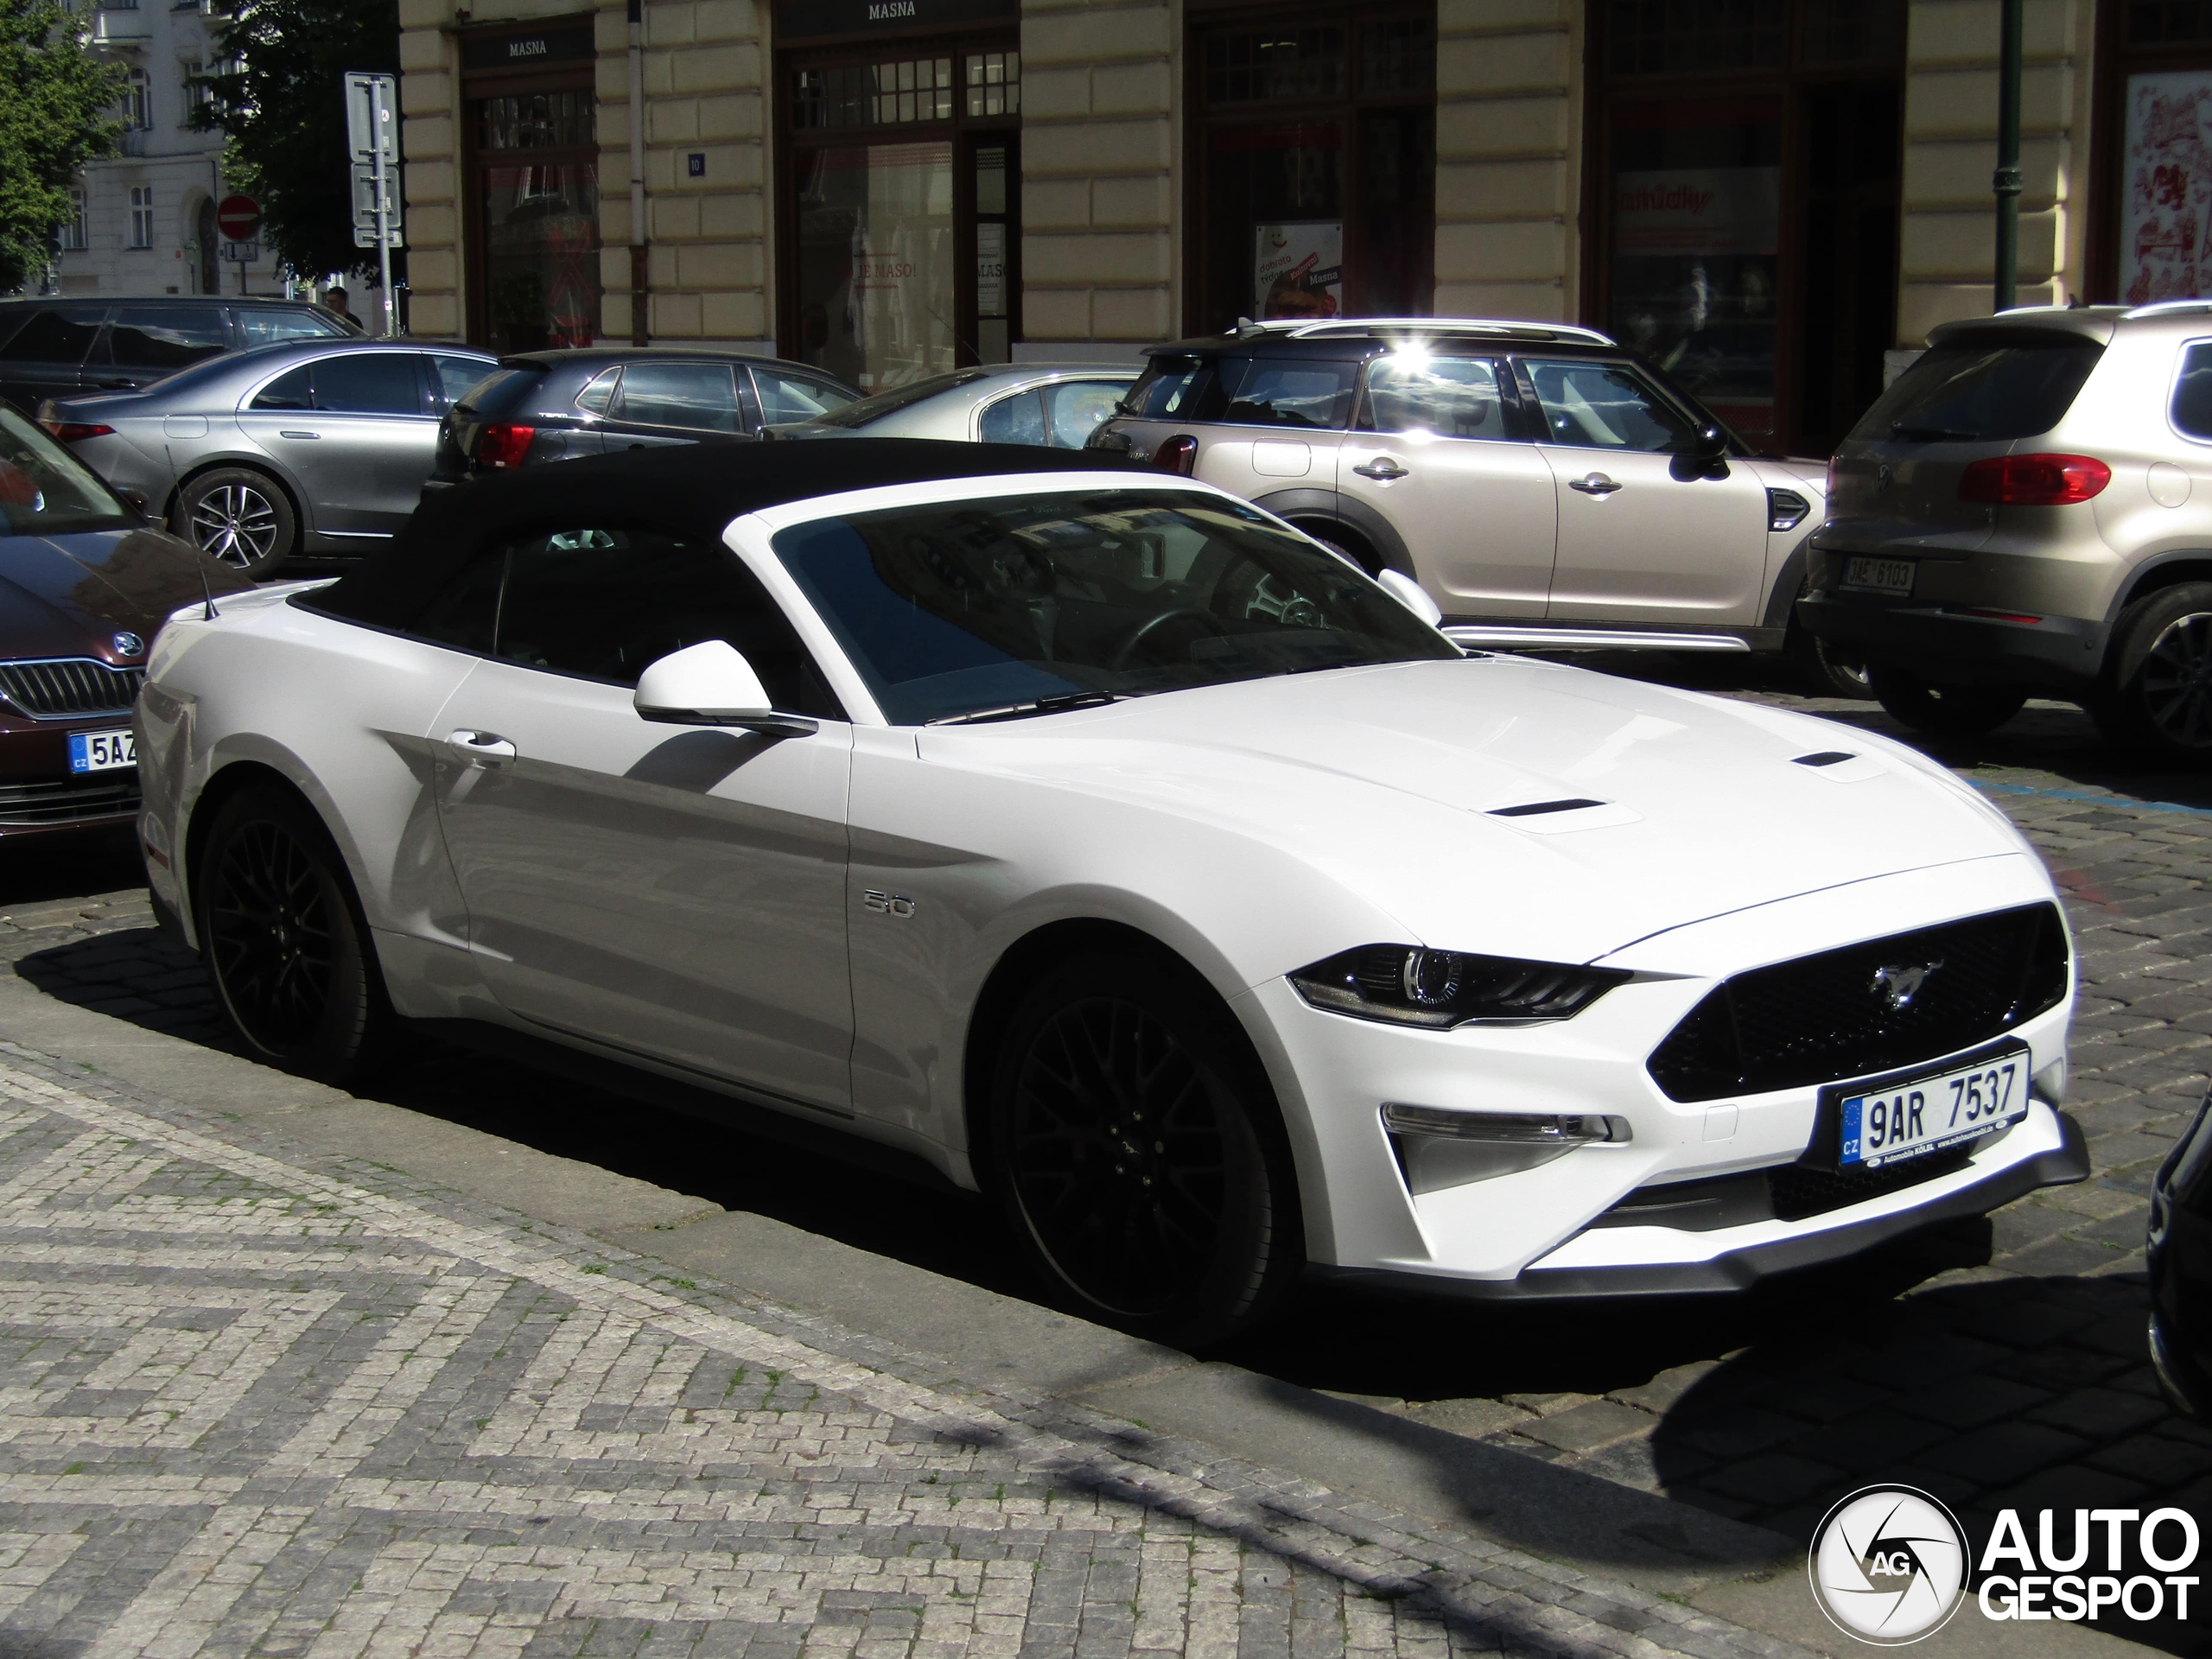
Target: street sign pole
[(372, 145), (377, 89), (2005, 183)]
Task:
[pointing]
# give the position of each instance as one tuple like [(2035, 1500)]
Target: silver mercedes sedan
[(1055, 405), (316, 447)]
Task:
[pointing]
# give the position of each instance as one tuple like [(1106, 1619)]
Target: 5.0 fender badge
[(887, 903)]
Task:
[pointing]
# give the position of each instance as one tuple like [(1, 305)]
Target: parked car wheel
[(1138, 1153), (1346, 546), (1944, 710), (240, 516), (282, 936), (1830, 669), (2158, 698)]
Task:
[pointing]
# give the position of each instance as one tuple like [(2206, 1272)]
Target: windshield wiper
[(1052, 705), (1931, 434)]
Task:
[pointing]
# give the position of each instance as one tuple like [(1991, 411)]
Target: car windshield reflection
[(1010, 606)]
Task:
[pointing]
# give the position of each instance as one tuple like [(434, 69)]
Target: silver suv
[(1549, 490), (2029, 509)]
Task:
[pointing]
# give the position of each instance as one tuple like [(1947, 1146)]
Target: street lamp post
[(2006, 180)]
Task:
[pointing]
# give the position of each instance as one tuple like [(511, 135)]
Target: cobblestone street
[(294, 1408)]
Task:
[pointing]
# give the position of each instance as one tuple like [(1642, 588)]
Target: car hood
[(1390, 781), (69, 596)]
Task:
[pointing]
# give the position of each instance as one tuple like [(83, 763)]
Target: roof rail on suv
[(2167, 307), (1307, 328)]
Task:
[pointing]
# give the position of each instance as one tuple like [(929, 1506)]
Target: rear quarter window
[(1983, 390), (2192, 411), (1168, 388)]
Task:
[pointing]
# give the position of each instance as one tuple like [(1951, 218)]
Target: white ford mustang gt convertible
[(1094, 837)]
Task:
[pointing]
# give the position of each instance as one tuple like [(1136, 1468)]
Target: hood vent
[(1825, 757), (1538, 808)]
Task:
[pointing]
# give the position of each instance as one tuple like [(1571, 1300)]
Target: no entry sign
[(237, 218)]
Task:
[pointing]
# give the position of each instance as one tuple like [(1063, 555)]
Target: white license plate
[(102, 751), (1891, 576), (1910, 1119)]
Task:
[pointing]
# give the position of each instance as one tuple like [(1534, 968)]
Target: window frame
[(1539, 423), (741, 385), (137, 207)]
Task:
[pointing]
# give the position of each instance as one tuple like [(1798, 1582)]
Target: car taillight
[(2033, 480), (504, 445), (77, 431), (1835, 477), (1177, 454)]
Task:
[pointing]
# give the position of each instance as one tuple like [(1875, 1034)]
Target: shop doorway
[(1746, 163)]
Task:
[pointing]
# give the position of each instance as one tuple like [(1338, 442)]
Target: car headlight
[(1411, 985)]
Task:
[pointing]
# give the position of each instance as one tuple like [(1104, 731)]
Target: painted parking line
[(2127, 802)]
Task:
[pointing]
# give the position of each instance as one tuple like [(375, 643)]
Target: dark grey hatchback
[(541, 406)]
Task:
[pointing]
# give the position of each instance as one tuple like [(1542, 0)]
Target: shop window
[(2168, 23), (2161, 75), (1266, 63), (994, 83), (536, 204), (873, 95)]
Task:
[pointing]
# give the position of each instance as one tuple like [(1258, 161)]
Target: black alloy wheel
[(283, 940), (1944, 710), (1138, 1153), (2159, 700)]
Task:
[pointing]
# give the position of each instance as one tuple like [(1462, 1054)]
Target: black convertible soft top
[(691, 490)]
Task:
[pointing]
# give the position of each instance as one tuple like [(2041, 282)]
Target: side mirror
[(711, 684), (1711, 442), (1411, 594)]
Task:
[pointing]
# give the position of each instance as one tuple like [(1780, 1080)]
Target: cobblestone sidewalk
[(257, 1400)]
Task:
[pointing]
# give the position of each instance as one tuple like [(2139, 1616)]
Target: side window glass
[(60, 334), (265, 326), (463, 616), (697, 396), (2193, 394), (792, 397), (599, 392), (452, 378), (1018, 419), (293, 389), (1592, 406), (1275, 391), (164, 337), (602, 603), (1078, 408), (371, 383), (1451, 397), (1166, 389)]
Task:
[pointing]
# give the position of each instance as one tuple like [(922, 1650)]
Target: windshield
[(44, 490), (1983, 391), (957, 608), (873, 409)]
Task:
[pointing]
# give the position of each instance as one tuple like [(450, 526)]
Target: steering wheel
[(1142, 634)]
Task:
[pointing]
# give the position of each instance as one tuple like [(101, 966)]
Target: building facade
[(1772, 198), (146, 218)]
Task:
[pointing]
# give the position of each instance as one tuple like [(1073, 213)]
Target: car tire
[(1185, 1229), (2156, 699), (1345, 547), (1944, 710), (285, 941), (240, 516), (1829, 669)]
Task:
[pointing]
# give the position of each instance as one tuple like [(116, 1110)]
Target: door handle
[(1593, 484), (1380, 468), (282, 434), (487, 747)]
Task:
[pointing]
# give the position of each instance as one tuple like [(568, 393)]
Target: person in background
[(333, 300)]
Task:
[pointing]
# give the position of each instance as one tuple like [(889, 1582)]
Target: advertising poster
[(1298, 268), (1698, 210), (2166, 188)]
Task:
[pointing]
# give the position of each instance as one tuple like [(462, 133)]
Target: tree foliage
[(280, 99), (56, 113)]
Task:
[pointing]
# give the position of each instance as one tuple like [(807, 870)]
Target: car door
[(1439, 454), (676, 892), (1646, 534), (143, 343), (656, 403), (355, 430), (45, 358)]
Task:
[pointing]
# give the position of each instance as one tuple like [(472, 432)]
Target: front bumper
[(1942, 644), (39, 795)]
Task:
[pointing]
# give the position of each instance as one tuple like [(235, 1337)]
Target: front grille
[(73, 800), (1781, 1192), (1801, 1191), (1824, 1018), (70, 687)]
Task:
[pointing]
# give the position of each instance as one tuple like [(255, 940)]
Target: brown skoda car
[(85, 582)]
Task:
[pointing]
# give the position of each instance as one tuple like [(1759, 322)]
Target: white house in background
[(146, 220)]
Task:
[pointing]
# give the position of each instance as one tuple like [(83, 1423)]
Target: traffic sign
[(371, 120), (365, 195), (238, 218), (244, 253), (365, 236)]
